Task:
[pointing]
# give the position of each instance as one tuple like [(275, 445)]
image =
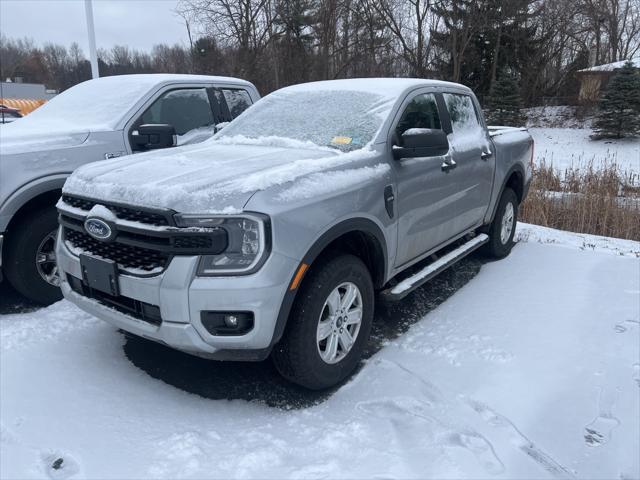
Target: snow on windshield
[(345, 120), (92, 105)]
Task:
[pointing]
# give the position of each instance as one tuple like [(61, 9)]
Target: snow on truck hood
[(211, 177)]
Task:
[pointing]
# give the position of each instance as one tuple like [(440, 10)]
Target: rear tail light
[(533, 147)]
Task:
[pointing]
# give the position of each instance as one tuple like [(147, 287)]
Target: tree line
[(540, 44)]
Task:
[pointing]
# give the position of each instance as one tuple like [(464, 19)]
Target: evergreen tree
[(619, 109), (504, 102), (294, 41)]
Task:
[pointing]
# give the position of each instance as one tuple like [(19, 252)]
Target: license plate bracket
[(100, 274)]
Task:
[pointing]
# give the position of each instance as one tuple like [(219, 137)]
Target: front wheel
[(30, 257), (329, 324), (503, 227)]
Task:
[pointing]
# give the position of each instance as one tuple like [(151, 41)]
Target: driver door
[(425, 193)]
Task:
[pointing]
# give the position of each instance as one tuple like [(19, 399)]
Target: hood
[(210, 177), (15, 138)]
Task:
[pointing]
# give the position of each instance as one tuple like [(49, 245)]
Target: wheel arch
[(358, 236), (514, 179), (34, 195)]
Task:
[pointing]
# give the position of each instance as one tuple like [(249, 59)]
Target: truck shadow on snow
[(12, 302), (260, 382)]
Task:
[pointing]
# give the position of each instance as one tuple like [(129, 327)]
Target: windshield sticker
[(341, 140)]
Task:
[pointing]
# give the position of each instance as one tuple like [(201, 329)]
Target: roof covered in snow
[(387, 87), (157, 78), (610, 67), (101, 103)]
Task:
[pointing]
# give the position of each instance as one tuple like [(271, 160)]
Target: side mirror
[(152, 136), (421, 142)]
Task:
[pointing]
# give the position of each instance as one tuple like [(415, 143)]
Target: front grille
[(126, 256), (123, 213), (137, 248), (130, 306), (192, 242)]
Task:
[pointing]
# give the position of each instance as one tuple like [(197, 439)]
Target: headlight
[(249, 242)]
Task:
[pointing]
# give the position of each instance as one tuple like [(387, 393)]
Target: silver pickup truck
[(273, 237), (95, 120)]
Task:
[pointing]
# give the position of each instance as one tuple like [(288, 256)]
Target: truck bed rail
[(495, 130)]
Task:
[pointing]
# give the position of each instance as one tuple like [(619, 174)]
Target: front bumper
[(181, 297)]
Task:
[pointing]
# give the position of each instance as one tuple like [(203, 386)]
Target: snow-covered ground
[(566, 147), (561, 116), (530, 370)]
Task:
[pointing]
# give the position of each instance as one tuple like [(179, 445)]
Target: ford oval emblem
[(98, 229)]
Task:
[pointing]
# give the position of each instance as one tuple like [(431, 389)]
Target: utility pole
[(88, 8)]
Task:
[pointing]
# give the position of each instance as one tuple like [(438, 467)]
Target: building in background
[(594, 80), (24, 97)]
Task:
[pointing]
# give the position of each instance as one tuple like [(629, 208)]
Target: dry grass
[(599, 200)]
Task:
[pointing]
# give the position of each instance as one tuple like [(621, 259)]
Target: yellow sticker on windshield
[(341, 140)]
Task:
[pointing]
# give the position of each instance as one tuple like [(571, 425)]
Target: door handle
[(389, 199), (485, 155), (448, 164)]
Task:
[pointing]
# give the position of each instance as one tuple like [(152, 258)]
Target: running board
[(409, 284)]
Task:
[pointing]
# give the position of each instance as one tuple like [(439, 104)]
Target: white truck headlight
[(248, 242)]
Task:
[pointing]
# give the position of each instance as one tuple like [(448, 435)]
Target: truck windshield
[(342, 119), (94, 105)]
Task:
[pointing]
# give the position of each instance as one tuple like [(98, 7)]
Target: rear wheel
[(503, 228), (30, 257), (329, 324)]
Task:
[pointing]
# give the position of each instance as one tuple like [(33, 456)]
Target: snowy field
[(566, 147), (529, 370)]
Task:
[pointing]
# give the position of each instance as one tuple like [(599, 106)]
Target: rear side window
[(237, 101), (185, 109), (422, 112), (464, 119)]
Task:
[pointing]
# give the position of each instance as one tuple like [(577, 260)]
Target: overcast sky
[(138, 24)]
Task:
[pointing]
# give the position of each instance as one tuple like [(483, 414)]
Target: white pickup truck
[(95, 120)]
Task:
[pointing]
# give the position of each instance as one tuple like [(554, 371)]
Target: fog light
[(227, 323), (231, 321)]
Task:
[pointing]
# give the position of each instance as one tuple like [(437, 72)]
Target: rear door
[(470, 147)]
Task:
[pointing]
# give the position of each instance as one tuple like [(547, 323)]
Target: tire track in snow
[(432, 414), (518, 439)]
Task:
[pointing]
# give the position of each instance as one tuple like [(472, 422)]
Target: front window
[(422, 112), (185, 109), (341, 119)]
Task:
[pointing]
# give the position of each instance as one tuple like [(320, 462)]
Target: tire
[(299, 355), (501, 240), (19, 258)]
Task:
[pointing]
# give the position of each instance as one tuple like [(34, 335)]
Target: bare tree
[(243, 24), (409, 21)]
